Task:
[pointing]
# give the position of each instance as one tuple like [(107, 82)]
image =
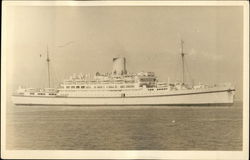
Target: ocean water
[(124, 127)]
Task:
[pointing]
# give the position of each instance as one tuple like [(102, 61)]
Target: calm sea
[(124, 127)]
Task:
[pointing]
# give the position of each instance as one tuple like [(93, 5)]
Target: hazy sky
[(85, 39)]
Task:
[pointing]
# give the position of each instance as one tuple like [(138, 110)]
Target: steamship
[(122, 88)]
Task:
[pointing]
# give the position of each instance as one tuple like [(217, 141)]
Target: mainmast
[(183, 65), (48, 60)]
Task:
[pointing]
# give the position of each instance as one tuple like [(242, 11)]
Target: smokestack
[(119, 66)]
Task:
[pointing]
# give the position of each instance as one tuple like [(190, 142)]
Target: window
[(130, 86), (77, 86), (72, 86), (82, 86), (32, 93), (67, 87)]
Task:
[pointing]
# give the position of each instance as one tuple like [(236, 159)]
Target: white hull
[(201, 97)]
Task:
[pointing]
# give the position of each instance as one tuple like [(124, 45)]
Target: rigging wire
[(43, 71), (54, 76), (177, 72), (189, 75)]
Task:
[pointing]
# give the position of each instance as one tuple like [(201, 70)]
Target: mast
[(183, 65), (48, 60)]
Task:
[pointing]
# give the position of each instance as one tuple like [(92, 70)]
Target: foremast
[(183, 62), (48, 61)]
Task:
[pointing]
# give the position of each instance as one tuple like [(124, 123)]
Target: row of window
[(147, 79), (42, 94), (158, 89), (82, 87), (37, 93), (162, 89)]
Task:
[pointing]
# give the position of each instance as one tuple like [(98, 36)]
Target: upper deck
[(109, 81)]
